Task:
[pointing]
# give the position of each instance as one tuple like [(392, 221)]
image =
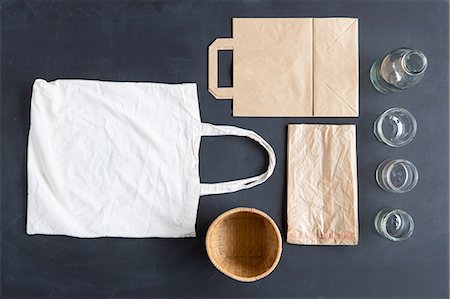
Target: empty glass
[(400, 69), (394, 224), (397, 175), (396, 127)]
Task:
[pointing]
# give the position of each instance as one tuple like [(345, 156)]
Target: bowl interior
[(244, 244)]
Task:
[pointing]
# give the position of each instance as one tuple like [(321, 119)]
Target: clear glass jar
[(394, 224), (395, 127), (397, 175), (400, 69)]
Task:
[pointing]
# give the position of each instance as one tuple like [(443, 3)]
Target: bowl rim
[(235, 211)]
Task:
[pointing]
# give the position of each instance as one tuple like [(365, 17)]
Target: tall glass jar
[(400, 69)]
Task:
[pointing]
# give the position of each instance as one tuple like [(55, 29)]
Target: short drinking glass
[(397, 175), (394, 224), (395, 127)]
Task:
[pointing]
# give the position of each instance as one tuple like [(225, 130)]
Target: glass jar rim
[(379, 127), (386, 217), (390, 165), (405, 65)]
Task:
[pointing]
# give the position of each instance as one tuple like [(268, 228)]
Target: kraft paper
[(336, 67), (322, 198), (290, 67)]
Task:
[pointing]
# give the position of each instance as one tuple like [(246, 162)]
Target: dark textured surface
[(167, 42)]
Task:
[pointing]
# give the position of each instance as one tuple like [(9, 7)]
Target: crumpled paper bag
[(322, 197), (290, 67)]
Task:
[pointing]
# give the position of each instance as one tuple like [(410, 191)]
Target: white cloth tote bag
[(120, 159)]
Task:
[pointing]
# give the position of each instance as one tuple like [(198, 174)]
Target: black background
[(167, 42)]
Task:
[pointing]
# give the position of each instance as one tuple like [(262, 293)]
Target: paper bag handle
[(236, 185), (213, 85)]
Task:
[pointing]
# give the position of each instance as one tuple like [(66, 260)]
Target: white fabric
[(119, 159)]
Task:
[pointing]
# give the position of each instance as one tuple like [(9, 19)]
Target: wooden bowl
[(244, 244)]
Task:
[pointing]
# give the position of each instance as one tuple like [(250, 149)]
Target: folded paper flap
[(336, 67), (334, 31), (322, 184), (319, 237)]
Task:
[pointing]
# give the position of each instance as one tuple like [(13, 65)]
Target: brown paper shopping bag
[(322, 198), (290, 67)]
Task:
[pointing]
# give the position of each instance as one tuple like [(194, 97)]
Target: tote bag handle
[(236, 185)]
